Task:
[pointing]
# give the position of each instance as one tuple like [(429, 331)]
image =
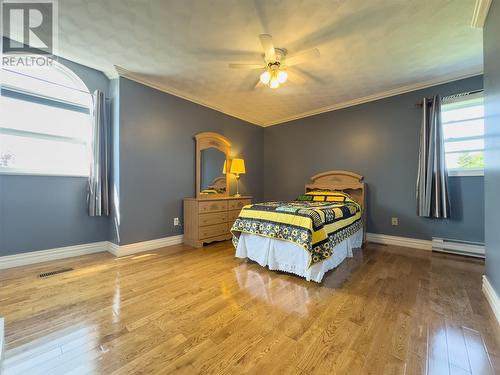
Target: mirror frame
[(203, 141)]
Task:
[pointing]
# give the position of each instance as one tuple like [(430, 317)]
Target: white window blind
[(45, 124), (463, 130)]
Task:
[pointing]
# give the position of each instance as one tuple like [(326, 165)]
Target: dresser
[(210, 219)]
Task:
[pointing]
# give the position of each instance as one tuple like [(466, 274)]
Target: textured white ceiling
[(184, 46)]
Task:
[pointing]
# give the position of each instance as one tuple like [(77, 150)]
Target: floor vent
[(52, 273), (445, 245)]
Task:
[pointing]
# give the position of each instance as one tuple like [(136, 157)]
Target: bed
[(310, 235)]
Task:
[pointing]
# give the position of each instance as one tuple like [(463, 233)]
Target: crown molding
[(480, 13), (350, 103), (175, 92), (378, 96)]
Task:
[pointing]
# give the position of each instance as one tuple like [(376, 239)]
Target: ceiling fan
[(278, 67)]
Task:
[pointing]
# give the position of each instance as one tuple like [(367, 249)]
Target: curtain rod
[(420, 104), (463, 94), (52, 83)]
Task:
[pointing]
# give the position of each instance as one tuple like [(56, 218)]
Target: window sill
[(465, 172), (18, 172)]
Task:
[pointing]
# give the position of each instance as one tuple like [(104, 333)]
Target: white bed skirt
[(288, 257)]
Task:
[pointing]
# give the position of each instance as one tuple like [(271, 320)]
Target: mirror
[(212, 180), (212, 151)]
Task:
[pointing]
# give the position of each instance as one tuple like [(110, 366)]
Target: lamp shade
[(227, 166), (237, 166)]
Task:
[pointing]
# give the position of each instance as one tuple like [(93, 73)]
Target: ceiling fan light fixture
[(274, 83), (282, 76), (265, 77), (276, 61)]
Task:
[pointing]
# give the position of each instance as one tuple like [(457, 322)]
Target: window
[(45, 123), (463, 130)]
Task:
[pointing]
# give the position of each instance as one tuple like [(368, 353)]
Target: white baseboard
[(2, 342), (23, 259), (492, 297), (399, 241), (16, 260), (123, 250), (437, 244)]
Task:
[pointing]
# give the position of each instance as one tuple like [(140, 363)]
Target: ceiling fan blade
[(258, 84), (302, 57), (306, 75), (268, 46), (249, 83), (296, 76), (247, 66)]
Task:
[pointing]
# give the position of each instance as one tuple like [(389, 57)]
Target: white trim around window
[(29, 172), (465, 172)]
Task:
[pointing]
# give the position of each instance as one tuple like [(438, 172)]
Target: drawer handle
[(215, 220)]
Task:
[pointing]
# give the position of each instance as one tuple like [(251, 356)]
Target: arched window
[(45, 122)]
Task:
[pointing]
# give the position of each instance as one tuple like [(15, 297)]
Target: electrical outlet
[(176, 222), (395, 221)]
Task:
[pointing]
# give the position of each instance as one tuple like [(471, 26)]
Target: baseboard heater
[(468, 248)]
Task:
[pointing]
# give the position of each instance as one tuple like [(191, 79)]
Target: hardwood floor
[(180, 310)]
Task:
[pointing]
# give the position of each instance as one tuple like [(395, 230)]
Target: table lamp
[(237, 168)]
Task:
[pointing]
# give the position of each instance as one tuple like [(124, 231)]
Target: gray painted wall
[(153, 168), (157, 157), (492, 172), (379, 140), (43, 212)]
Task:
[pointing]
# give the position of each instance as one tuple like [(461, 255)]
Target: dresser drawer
[(212, 206), (212, 231), (232, 216), (211, 219), (238, 203)]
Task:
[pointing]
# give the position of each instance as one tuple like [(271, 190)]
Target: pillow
[(304, 197), (324, 196), (208, 191)]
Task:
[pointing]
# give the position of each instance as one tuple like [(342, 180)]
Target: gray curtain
[(98, 194), (432, 179)]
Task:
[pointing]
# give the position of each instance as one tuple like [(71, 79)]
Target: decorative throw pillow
[(304, 197), (324, 195)]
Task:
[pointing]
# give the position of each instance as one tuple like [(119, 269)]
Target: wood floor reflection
[(388, 310)]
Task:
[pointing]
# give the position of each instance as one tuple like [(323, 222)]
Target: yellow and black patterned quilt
[(315, 226)]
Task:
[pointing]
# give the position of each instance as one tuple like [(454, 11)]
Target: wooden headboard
[(348, 182), (218, 183)]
